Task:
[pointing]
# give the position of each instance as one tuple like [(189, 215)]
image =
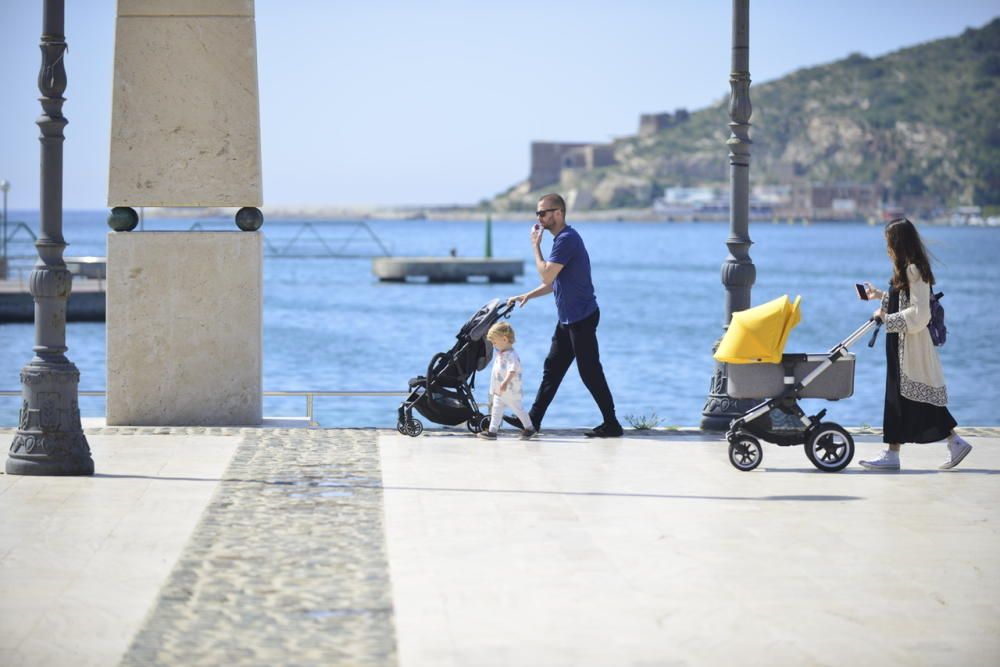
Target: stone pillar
[(185, 328), (184, 310), (738, 271), (185, 122), (49, 438)]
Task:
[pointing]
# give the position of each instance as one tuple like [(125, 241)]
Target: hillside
[(921, 123)]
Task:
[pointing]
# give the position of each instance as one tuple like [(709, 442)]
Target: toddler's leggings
[(501, 401)]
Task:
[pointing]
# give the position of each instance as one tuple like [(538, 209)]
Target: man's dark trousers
[(574, 341)]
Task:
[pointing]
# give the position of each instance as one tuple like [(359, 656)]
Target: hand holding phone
[(862, 291)]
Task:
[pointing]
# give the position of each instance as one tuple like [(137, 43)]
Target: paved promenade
[(363, 547)]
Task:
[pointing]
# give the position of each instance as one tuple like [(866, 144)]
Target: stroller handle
[(505, 309), (873, 322), (878, 325)]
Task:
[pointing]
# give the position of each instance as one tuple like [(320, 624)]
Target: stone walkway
[(241, 546), (654, 550), (287, 566)]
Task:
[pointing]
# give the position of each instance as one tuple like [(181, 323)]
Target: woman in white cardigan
[(916, 397)]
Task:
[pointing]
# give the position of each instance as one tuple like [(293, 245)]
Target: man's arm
[(522, 299), (547, 271)]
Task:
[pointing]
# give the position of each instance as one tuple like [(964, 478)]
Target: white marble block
[(185, 120), (185, 328)]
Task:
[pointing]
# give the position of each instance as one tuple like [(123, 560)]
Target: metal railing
[(309, 396), (295, 247), (21, 264)]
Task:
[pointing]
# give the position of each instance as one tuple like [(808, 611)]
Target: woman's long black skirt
[(905, 420)]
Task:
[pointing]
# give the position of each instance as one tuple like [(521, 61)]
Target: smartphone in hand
[(862, 292)]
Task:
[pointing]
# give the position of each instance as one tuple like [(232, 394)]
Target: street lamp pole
[(4, 187), (738, 271), (50, 438)]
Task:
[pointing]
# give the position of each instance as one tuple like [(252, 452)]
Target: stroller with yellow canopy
[(753, 348)]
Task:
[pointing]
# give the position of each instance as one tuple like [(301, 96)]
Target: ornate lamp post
[(738, 271), (4, 187), (50, 439)]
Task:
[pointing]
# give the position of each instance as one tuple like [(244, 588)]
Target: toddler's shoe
[(888, 461), (528, 434), (486, 435), (959, 449)]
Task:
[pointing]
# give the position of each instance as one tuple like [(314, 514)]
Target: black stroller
[(444, 395), (780, 419)]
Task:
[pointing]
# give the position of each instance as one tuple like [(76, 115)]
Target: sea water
[(329, 324)]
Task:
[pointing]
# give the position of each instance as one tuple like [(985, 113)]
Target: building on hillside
[(651, 123), (833, 201), (707, 203), (548, 159)]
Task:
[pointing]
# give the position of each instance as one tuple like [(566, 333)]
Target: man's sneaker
[(528, 434), (487, 435), (605, 431), (888, 461), (513, 421), (959, 449)]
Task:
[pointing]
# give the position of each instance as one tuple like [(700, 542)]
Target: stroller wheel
[(745, 452), (473, 423), (414, 427), (484, 423), (830, 447), (401, 427)]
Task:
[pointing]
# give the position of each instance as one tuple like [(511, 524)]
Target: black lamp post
[(738, 271), (4, 187), (50, 439)]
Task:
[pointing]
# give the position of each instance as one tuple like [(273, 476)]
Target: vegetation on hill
[(922, 122)]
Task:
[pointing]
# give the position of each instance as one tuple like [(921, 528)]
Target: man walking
[(566, 274)]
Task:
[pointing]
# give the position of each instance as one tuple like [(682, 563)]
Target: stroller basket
[(768, 380)]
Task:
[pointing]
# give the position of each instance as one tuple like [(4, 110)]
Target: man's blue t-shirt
[(572, 287)]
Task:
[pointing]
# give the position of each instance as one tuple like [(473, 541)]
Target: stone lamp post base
[(49, 439)]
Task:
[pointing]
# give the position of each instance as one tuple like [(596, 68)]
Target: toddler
[(505, 383)]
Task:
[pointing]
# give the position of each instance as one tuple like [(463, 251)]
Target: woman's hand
[(877, 314), (871, 292), (503, 386)]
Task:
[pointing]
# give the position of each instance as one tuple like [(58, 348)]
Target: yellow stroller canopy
[(758, 334)]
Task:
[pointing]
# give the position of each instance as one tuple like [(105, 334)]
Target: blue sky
[(391, 103)]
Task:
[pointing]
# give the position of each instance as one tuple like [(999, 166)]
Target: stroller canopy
[(479, 324), (758, 334)]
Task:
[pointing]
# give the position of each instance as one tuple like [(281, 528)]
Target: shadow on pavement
[(613, 494)]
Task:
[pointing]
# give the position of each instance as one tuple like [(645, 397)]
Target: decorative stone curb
[(288, 564)]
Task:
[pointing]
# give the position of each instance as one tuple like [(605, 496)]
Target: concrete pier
[(86, 302), (447, 269)]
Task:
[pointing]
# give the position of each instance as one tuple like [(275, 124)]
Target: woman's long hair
[(905, 248)]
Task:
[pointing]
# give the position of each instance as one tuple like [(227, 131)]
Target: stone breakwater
[(288, 564)]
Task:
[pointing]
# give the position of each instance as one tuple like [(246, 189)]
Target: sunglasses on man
[(541, 214)]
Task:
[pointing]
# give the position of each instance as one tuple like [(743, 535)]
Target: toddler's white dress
[(512, 397)]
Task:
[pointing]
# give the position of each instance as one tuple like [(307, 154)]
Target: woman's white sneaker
[(959, 449), (888, 461)]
